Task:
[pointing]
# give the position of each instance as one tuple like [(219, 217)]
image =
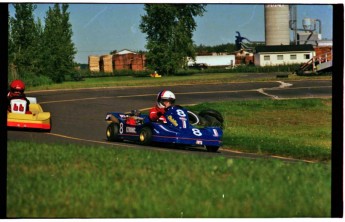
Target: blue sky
[(101, 28)]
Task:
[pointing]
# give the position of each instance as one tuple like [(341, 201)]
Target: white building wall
[(219, 60), (259, 59)]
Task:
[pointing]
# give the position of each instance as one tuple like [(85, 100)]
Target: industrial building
[(283, 54), (308, 48)]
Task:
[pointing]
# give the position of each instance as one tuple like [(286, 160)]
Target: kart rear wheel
[(212, 121), (113, 132), (211, 117), (145, 136), (212, 148)]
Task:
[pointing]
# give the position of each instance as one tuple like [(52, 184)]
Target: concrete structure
[(277, 31), (283, 55)]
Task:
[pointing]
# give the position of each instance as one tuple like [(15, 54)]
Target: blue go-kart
[(182, 127)]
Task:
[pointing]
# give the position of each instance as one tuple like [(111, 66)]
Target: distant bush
[(88, 74), (85, 73), (240, 69), (259, 69), (31, 79)]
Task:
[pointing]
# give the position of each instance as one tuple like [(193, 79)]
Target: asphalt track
[(78, 115)]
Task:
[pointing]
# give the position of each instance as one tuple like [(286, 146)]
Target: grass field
[(292, 128), (45, 180), (87, 181)]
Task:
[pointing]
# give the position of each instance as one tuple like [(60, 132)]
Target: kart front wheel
[(113, 132), (212, 148), (145, 136)]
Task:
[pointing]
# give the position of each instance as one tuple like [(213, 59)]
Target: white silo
[(277, 31)]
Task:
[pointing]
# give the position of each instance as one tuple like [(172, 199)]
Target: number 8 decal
[(121, 128), (180, 113), (196, 132)]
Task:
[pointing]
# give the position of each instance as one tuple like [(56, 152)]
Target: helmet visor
[(17, 91), (168, 100)]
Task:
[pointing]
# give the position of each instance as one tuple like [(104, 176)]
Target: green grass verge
[(298, 128), (121, 81), (74, 181)]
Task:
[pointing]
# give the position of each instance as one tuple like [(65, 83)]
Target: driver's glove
[(162, 119)]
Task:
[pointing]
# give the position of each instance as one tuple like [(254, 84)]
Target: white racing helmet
[(165, 95)]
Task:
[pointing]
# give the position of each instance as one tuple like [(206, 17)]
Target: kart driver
[(17, 88), (165, 99)]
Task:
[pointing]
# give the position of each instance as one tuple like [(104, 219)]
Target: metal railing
[(317, 60)]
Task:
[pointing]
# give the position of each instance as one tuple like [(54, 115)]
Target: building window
[(280, 57), (266, 57), (306, 56), (293, 57)]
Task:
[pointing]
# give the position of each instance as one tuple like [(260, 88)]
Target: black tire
[(212, 112), (212, 121), (211, 117), (112, 132), (145, 136), (212, 149), (202, 121)]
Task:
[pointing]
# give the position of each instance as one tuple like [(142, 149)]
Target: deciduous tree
[(59, 50), (23, 40), (169, 29)]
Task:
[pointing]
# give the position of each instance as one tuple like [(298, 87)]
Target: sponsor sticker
[(130, 130), (184, 122), (215, 133), (172, 120), (198, 142)]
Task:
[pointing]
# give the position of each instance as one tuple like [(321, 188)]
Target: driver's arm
[(154, 114)]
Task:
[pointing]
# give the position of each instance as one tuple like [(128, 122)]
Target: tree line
[(39, 52), (46, 52)]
